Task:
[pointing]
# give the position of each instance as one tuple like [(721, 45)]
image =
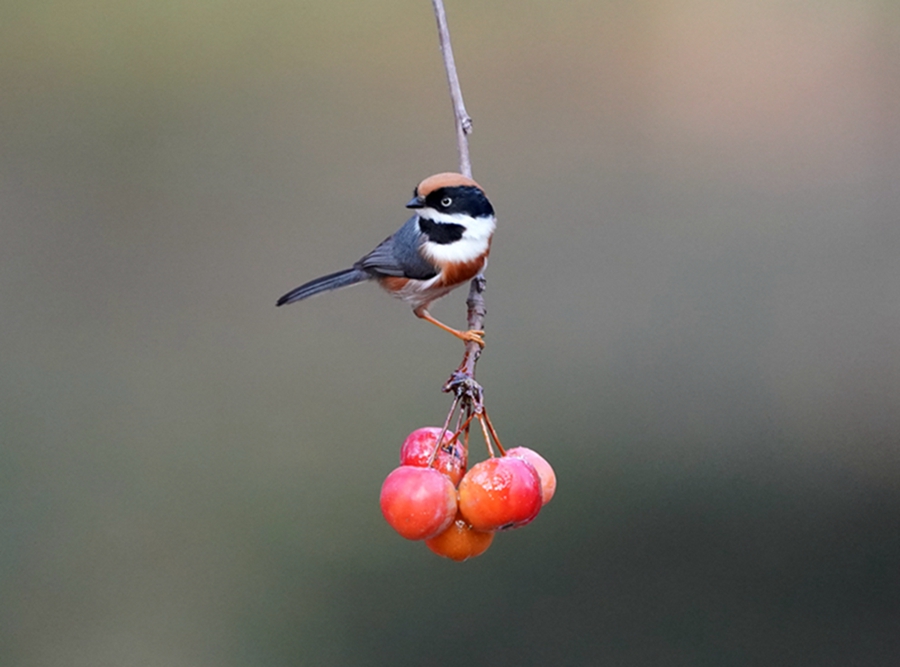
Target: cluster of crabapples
[(432, 496)]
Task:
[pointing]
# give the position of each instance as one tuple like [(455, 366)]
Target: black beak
[(416, 202)]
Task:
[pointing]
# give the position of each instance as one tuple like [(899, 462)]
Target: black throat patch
[(441, 232)]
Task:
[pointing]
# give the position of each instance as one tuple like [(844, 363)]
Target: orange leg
[(469, 336)]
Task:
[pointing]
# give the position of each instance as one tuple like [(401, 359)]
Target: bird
[(443, 245)]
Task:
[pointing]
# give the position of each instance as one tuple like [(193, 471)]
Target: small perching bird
[(444, 245)]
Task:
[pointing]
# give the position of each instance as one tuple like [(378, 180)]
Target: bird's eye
[(446, 201)]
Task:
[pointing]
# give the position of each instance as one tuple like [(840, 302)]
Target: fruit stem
[(487, 438), (494, 434), (466, 441), (440, 440), (465, 427)]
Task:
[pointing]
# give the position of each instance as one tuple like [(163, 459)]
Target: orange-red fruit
[(418, 502), (419, 446), (544, 470), (500, 493), (460, 541)]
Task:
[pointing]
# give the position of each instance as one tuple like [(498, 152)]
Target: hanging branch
[(475, 301), (469, 394), (506, 490)]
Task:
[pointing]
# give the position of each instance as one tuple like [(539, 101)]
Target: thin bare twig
[(463, 121), (462, 382), (475, 301)]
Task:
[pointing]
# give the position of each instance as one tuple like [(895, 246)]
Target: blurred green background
[(694, 303)]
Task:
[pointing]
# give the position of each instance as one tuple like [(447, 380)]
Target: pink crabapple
[(418, 502), (460, 541), (500, 493), (544, 470), (419, 446)]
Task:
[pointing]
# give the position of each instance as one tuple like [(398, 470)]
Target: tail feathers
[(324, 284)]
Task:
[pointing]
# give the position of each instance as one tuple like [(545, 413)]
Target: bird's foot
[(471, 336)]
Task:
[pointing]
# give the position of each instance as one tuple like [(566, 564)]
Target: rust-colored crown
[(444, 180)]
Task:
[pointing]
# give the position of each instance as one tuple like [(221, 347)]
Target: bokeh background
[(694, 314)]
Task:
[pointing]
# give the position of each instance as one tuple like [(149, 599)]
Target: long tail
[(324, 284)]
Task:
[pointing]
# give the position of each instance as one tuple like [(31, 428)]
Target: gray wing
[(398, 255)]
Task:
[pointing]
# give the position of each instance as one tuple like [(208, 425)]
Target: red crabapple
[(544, 470), (418, 502), (500, 493), (460, 541), (419, 446)]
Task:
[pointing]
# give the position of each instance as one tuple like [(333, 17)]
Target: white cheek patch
[(474, 241), (459, 251)]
